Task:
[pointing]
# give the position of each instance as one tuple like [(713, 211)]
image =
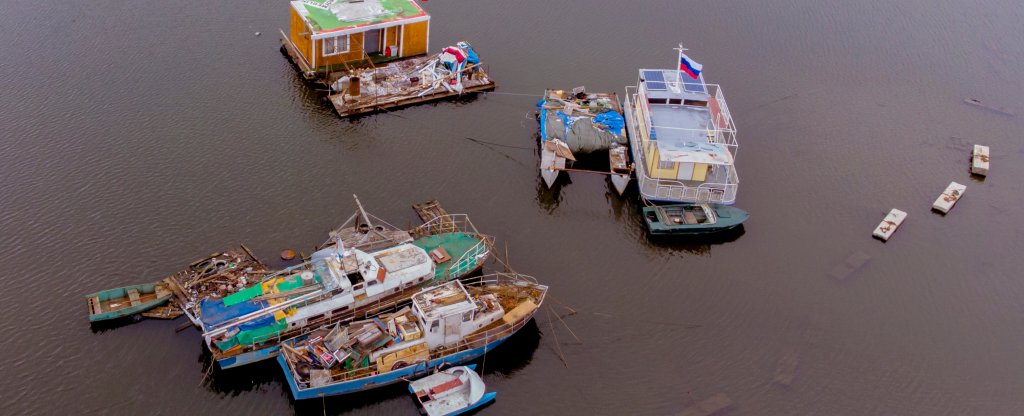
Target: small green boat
[(692, 218), (126, 301)]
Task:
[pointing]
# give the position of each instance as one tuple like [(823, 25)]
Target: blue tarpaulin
[(471, 56), (612, 119), (214, 312)]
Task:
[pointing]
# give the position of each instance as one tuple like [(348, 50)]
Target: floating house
[(682, 137), (332, 35)]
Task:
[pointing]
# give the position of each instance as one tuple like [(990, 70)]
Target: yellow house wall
[(300, 34), (355, 51), (414, 38), (391, 36)]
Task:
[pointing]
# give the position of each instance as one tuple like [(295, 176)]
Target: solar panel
[(656, 86), (656, 76), (695, 87)]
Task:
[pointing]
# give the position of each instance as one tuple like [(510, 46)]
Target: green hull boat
[(126, 301), (687, 219)]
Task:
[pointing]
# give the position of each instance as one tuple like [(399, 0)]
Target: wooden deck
[(373, 105), (430, 210)]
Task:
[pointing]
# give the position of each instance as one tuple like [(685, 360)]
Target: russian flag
[(689, 66)]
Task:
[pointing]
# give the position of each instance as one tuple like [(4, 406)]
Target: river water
[(136, 137)]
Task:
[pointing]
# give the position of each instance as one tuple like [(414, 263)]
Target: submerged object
[(451, 323), (889, 224), (692, 218), (949, 197), (126, 301), (451, 392)]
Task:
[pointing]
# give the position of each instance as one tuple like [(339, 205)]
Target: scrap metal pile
[(456, 69)]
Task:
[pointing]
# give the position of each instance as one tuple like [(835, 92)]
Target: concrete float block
[(979, 160), (888, 226), (949, 197)]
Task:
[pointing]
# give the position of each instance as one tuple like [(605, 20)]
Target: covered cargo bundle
[(585, 122)]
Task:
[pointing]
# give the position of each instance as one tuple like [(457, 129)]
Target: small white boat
[(619, 165), (451, 392), (553, 154)]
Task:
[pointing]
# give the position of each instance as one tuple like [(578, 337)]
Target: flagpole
[(679, 64)]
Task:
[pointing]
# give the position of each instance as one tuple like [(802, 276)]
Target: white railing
[(476, 340), (452, 223), (676, 190)]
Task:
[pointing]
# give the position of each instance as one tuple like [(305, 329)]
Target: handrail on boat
[(472, 341)]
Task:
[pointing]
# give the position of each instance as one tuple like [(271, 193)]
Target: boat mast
[(362, 211)]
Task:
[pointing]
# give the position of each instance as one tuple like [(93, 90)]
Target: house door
[(452, 329), (371, 41)]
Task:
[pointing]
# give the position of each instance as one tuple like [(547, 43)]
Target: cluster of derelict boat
[(374, 305)]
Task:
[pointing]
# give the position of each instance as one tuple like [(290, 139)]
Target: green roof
[(324, 20)]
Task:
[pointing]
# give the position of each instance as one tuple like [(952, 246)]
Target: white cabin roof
[(439, 301)]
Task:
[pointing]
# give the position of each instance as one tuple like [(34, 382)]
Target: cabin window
[(675, 101), (666, 165), (657, 100), (336, 45), (696, 103), (372, 282), (315, 318), (433, 326), (468, 316)]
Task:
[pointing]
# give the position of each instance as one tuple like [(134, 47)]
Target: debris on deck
[(949, 197), (711, 406), (852, 263), (164, 312), (432, 210), (889, 225), (977, 103), (979, 160), (786, 370), (586, 122), (455, 71)]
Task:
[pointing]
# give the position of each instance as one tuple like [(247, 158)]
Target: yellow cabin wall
[(391, 36), (700, 172), (300, 34), (355, 51), (414, 38)]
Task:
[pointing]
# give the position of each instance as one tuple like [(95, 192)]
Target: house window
[(336, 45)]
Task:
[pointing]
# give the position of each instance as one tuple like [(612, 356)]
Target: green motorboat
[(692, 218), (126, 301)]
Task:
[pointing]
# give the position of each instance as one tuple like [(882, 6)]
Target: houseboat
[(372, 55), (682, 137), (448, 324)]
